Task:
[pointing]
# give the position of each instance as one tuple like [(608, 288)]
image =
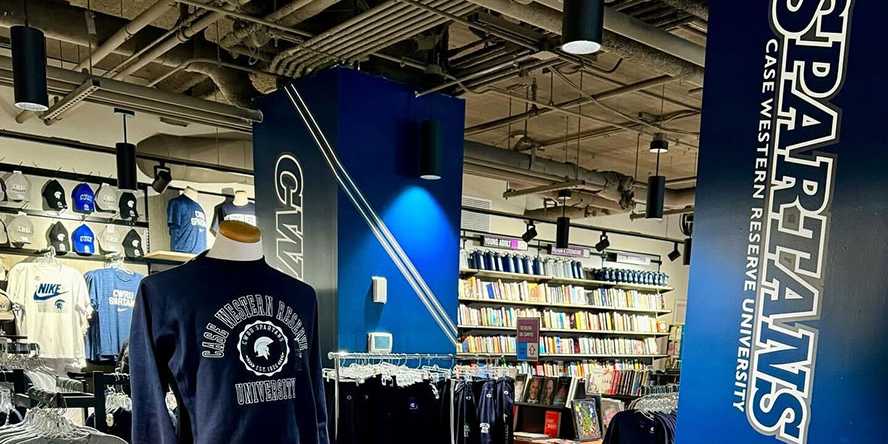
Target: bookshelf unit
[(563, 288)]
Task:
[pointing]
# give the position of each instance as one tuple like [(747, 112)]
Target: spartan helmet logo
[(264, 348), (260, 347)]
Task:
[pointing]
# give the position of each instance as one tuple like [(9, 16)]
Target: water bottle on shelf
[(477, 261), (507, 263)]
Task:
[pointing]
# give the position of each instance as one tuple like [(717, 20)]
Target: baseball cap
[(83, 199), (132, 245), (4, 237), (106, 198), (128, 206), (20, 230), (58, 238), (84, 241), (54, 196), (110, 240), (17, 186), (6, 308)]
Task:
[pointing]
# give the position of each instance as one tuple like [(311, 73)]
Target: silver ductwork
[(143, 99), (225, 149), (606, 190), (64, 22), (624, 36)]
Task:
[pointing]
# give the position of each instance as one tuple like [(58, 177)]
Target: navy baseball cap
[(58, 238), (83, 199), (128, 206), (83, 241), (132, 245), (54, 196)]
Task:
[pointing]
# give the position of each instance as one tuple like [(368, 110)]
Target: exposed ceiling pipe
[(110, 44), (182, 36), (64, 22), (573, 212), (143, 99), (624, 36), (126, 31), (696, 8), (570, 104), (513, 165), (618, 128), (288, 15)]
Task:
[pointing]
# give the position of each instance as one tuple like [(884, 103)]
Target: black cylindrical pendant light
[(687, 251), (29, 68), (656, 195), (126, 166), (582, 26), (562, 235), (430, 150), (126, 157)]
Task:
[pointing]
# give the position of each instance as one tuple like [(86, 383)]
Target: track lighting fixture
[(162, 177), (29, 66), (687, 251), (582, 26), (603, 242), (531, 232), (674, 254), (430, 149), (126, 157)]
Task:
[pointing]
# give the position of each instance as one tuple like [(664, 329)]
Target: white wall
[(492, 190), (97, 124)]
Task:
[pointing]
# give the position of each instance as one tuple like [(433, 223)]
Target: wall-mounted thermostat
[(379, 342), (380, 289)]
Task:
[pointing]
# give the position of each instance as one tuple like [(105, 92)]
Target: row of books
[(475, 288), (580, 369), (555, 345), (554, 319)]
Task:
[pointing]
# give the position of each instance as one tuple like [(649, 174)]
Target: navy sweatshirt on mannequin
[(237, 343)]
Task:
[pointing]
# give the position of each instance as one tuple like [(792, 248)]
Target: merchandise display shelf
[(588, 283), (566, 331), (563, 357), (567, 306), (169, 256), (70, 216)]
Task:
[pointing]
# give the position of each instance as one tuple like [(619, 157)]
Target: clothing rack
[(338, 357), (100, 382)]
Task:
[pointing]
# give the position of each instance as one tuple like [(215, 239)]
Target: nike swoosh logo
[(48, 296)]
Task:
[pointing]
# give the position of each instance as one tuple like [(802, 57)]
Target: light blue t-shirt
[(188, 225), (112, 292)]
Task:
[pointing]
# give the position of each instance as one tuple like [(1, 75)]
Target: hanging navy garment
[(238, 344)]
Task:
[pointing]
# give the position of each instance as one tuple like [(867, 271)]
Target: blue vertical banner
[(787, 300)]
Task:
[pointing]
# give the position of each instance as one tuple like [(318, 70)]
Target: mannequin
[(191, 193), (240, 198), (237, 241)]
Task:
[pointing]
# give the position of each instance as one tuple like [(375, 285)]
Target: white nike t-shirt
[(55, 307)]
